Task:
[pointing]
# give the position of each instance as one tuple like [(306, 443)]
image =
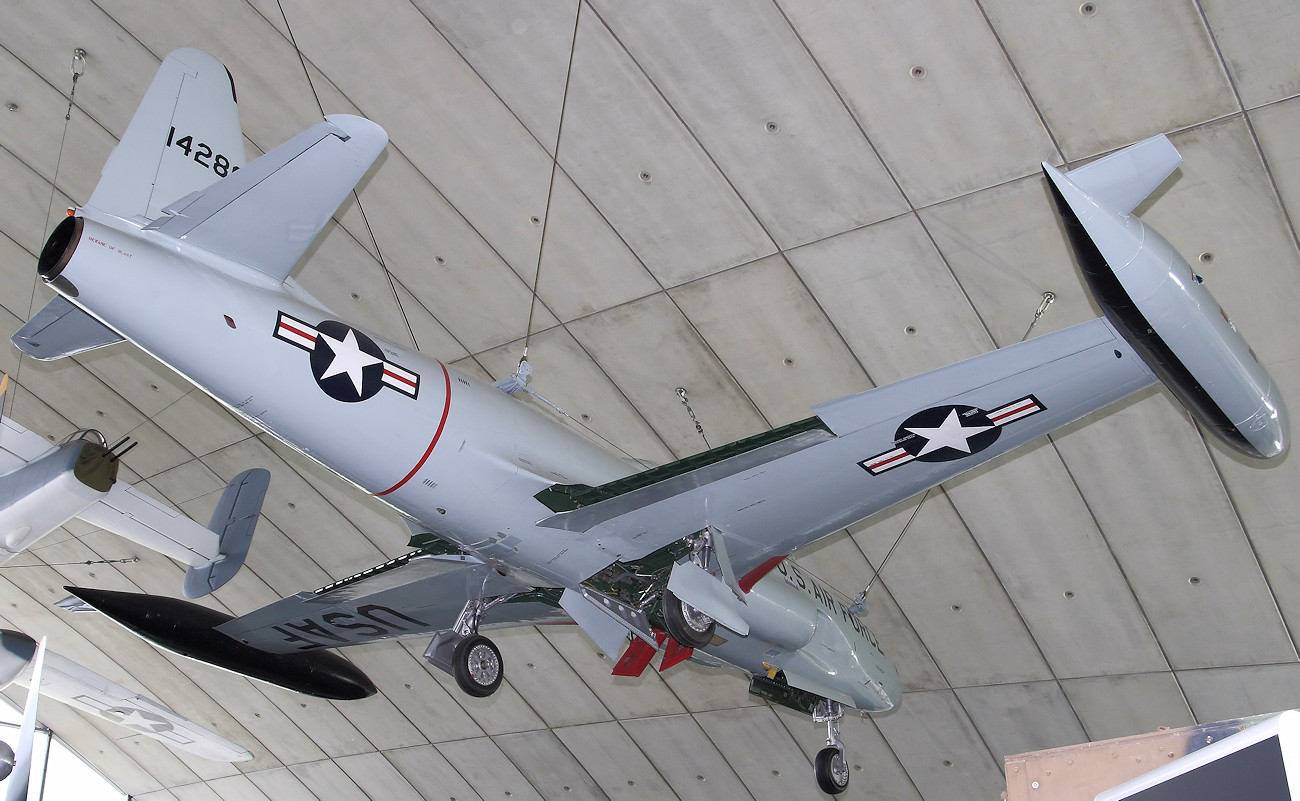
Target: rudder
[(184, 136)]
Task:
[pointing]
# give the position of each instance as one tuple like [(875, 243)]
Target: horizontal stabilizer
[(233, 522), (129, 513), (1123, 179), (189, 630), (61, 329), (266, 215)]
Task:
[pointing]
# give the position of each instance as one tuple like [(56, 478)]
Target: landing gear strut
[(472, 659), (830, 766)]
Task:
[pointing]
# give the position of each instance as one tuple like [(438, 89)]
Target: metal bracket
[(830, 712)]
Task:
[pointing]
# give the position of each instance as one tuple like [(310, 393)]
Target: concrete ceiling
[(767, 202)]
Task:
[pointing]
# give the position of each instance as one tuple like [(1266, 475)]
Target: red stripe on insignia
[(1028, 404), (397, 377), (883, 462), (293, 330), (751, 578), (441, 424)]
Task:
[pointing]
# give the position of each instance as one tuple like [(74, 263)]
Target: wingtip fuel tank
[(1150, 293)]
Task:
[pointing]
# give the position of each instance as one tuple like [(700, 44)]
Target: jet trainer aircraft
[(515, 519)]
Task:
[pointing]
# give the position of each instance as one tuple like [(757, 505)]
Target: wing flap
[(411, 596), (266, 215)]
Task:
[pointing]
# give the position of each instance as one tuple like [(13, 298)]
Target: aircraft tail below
[(1123, 179), (184, 136)]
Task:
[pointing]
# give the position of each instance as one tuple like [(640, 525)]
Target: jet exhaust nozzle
[(187, 629)]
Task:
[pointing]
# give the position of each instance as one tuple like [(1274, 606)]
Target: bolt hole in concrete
[(1088, 9), (918, 72), (910, 330), (1207, 257), (772, 127)]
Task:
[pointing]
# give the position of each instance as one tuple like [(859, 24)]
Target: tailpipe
[(188, 629)]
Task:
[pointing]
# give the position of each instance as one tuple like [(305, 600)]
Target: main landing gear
[(686, 624), (830, 766), (472, 659)]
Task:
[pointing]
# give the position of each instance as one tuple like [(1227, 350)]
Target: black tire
[(685, 623), (478, 664), (832, 770)]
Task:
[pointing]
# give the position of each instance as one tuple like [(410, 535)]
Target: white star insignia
[(950, 434), (348, 358)]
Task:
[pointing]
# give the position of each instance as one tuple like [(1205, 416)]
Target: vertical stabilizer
[(184, 136)]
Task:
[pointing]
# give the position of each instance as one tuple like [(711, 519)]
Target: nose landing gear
[(831, 767)]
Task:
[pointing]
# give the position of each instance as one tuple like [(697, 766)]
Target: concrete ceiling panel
[(548, 764), (941, 749), (1006, 247), (892, 298), (417, 698), (1198, 590), (764, 755), (1277, 127), (932, 88), (430, 774), (1057, 567), (1119, 74), (492, 775), (375, 773), (765, 114), (541, 676), (613, 759), (565, 374), (236, 788), (778, 344), (686, 758), (953, 599), (649, 349), (326, 779), (1255, 40), (1118, 706), (1015, 718), (1236, 692), (281, 785)]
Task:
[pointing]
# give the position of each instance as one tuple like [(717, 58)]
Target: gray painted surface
[(882, 201)]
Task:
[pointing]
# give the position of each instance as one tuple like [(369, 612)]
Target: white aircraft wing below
[(82, 688), (772, 494)]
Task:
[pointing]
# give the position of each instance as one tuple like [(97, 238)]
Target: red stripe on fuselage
[(751, 578), (441, 424)]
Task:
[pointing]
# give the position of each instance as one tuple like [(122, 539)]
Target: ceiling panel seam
[(1006, 54), (1250, 126)]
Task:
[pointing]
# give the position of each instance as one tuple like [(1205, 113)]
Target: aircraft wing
[(81, 688), (774, 493), (414, 595)]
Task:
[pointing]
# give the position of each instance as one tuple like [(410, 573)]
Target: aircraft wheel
[(687, 625), (478, 666), (832, 770)]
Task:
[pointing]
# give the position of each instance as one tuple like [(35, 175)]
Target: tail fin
[(184, 136), (1123, 179)]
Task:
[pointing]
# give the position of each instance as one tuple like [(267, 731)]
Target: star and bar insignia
[(944, 433), (348, 365)]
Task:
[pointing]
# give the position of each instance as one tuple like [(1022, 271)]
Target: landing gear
[(830, 766), (686, 624), (472, 659), (477, 666)]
